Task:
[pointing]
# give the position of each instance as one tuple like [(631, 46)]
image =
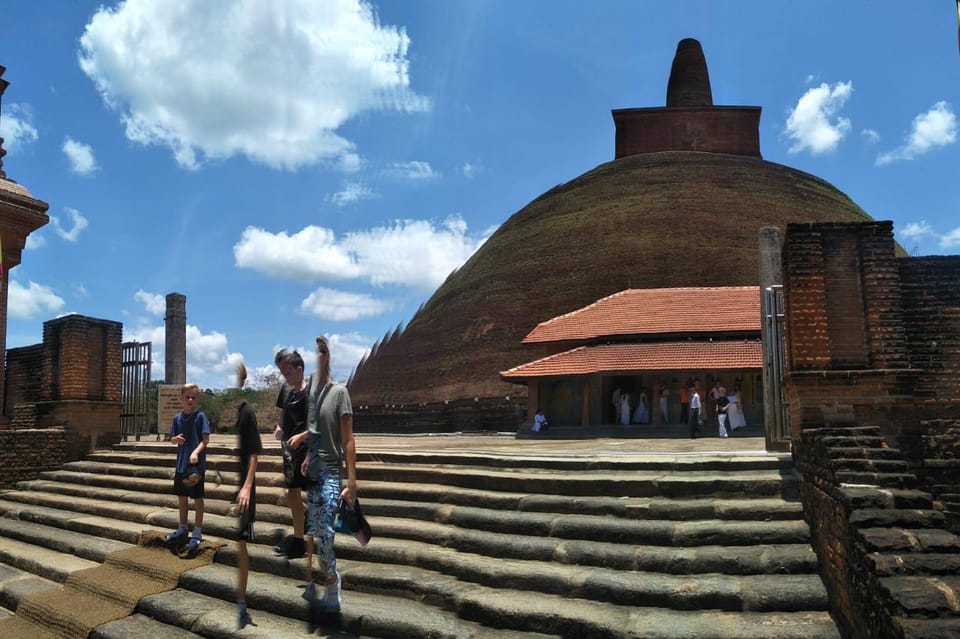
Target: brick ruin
[(72, 380), (873, 358)]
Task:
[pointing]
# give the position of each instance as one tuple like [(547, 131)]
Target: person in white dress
[(625, 409), (735, 415), (642, 413)]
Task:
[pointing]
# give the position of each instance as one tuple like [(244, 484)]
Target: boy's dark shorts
[(292, 477), (180, 488), (246, 519)]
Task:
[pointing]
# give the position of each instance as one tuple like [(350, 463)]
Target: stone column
[(771, 274), (175, 350), (20, 215)]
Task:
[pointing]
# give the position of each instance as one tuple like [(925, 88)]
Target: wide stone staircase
[(467, 544)]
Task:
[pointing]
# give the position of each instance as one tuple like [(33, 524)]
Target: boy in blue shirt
[(190, 432)]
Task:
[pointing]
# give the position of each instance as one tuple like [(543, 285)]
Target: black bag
[(350, 520)]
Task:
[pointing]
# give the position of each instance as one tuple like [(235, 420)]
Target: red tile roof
[(657, 311), (637, 357)]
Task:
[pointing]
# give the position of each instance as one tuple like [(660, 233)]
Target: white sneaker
[(331, 597)]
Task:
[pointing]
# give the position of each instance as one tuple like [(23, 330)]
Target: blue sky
[(298, 168)]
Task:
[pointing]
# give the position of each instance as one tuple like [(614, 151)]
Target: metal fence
[(135, 367)]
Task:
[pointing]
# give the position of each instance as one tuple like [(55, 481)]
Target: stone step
[(52, 565), (219, 619), (162, 453), (458, 524), (508, 609), (474, 545), (730, 560), (887, 466), (862, 452), (874, 497), (397, 538), (896, 517), (720, 484), (591, 483), (915, 563), (909, 540), (137, 489), (138, 626), (884, 480), (721, 591)]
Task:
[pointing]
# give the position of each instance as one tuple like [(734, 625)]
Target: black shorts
[(180, 488), (292, 465), (246, 519)]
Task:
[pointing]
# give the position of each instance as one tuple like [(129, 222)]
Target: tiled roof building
[(641, 341)]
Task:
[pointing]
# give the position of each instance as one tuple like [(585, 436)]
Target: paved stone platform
[(476, 535)]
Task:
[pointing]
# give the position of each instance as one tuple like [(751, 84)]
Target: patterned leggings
[(322, 499)]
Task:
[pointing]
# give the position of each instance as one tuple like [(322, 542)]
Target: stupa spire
[(689, 84)]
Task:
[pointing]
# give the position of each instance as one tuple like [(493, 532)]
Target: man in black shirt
[(250, 448)]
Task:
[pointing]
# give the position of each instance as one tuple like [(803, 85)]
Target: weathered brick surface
[(72, 381), (482, 414), (874, 340), (24, 454), (24, 377), (881, 550)]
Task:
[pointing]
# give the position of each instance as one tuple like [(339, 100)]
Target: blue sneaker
[(243, 617), (310, 591), (175, 536), (194, 544)]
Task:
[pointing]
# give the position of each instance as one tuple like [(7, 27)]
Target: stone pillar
[(771, 274), (175, 350), (20, 215)]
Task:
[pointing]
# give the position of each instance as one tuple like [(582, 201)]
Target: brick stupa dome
[(682, 205)]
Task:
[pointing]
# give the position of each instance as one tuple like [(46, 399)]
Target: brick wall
[(874, 340), (72, 381), (712, 129), (847, 350), (882, 548), (24, 377), (931, 294), (485, 414), (25, 453)]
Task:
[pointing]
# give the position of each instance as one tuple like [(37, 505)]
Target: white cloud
[(813, 124), (871, 135), (415, 170), (26, 302), (415, 253), (283, 255), (272, 81), (16, 127), (352, 192), (346, 350), (951, 239), (916, 230), (330, 304), (155, 303), (349, 162), (76, 219), (210, 364), (80, 291), (80, 156), (34, 241), (470, 170), (936, 127)]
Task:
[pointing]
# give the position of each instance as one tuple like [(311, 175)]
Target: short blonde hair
[(241, 374), (189, 387)]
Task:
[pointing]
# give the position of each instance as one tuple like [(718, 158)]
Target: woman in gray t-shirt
[(331, 447)]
